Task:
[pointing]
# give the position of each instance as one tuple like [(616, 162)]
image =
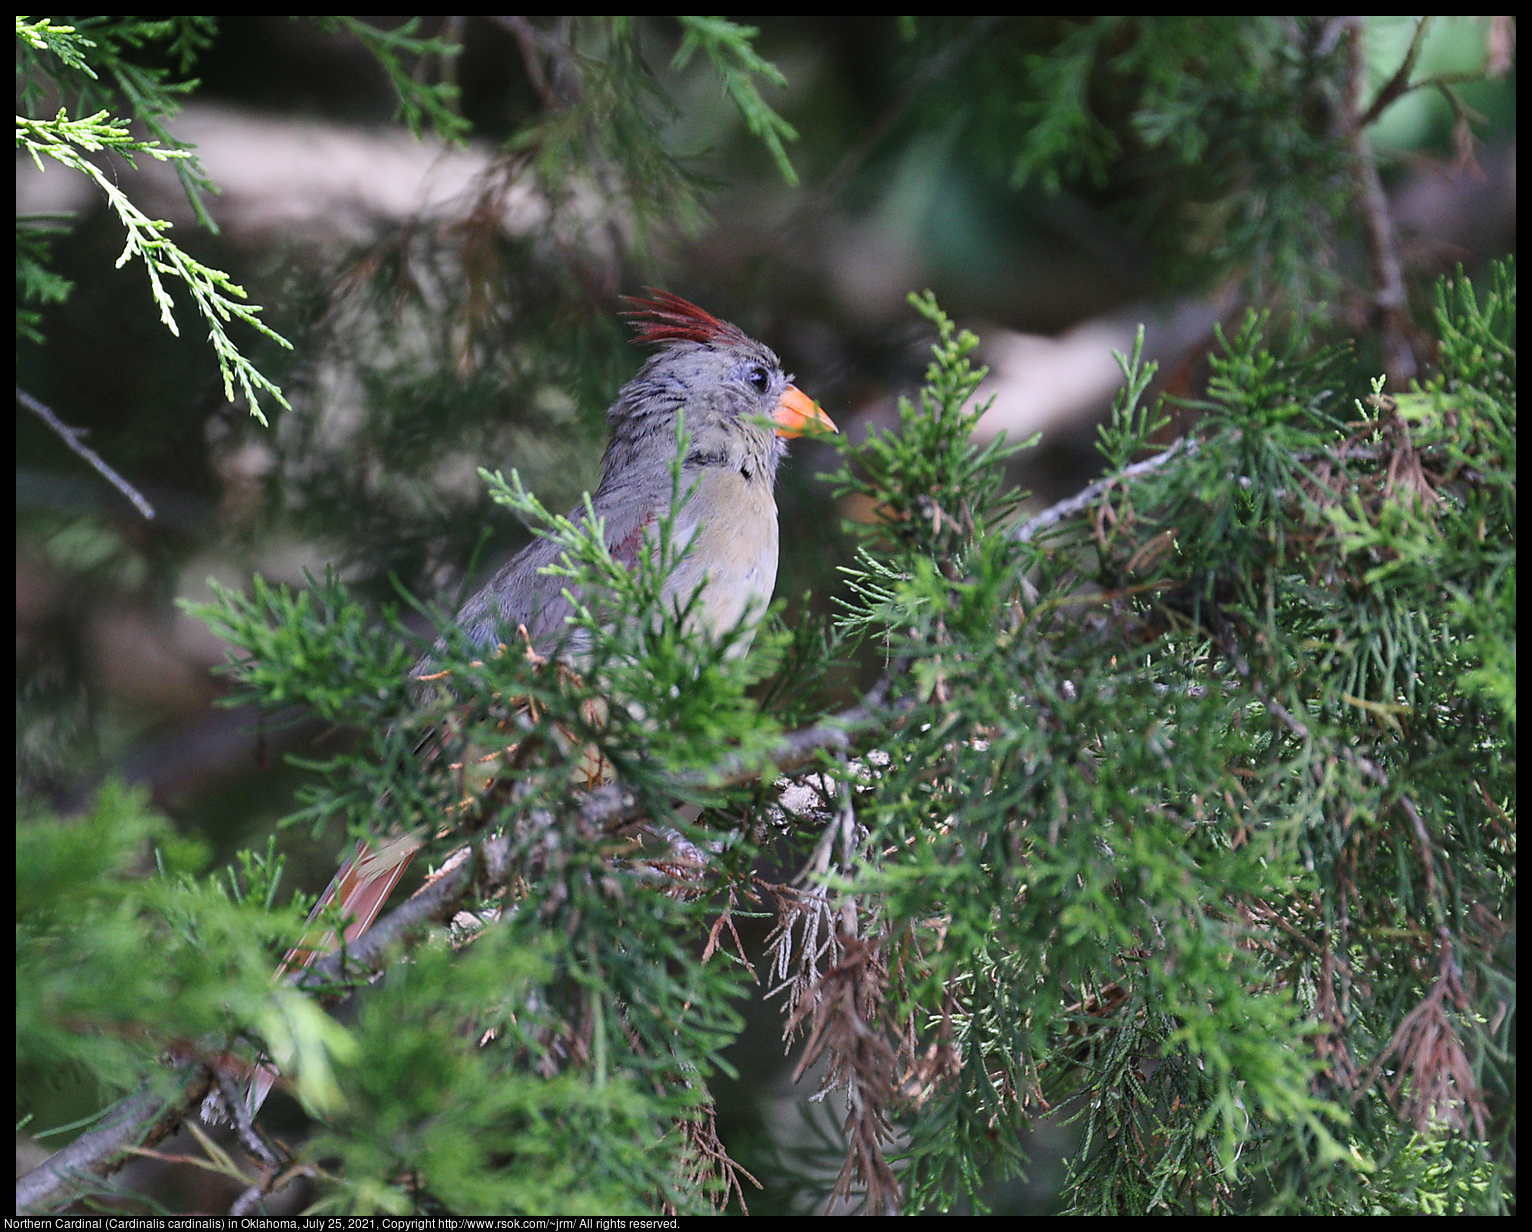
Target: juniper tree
[(1186, 816), (1179, 815)]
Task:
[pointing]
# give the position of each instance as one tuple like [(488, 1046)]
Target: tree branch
[(1388, 299), (1074, 504), (71, 437), (142, 1119), (145, 1118), (1399, 84)]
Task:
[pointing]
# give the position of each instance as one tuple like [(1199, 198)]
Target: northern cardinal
[(723, 385)]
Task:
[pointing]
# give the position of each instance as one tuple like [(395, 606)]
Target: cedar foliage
[(1185, 819), (1179, 818)]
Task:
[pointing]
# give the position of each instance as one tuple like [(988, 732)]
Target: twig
[(607, 807), (434, 902), (1073, 504), (251, 1140), (244, 1127), (556, 92), (1187, 445), (1389, 301), (143, 1118), (71, 437), (610, 806), (1407, 806), (1399, 84), (1370, 769)]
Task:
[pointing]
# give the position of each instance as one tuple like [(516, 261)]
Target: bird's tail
[(361, 887)]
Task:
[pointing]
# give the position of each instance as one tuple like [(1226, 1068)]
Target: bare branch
[(1074, 504), (1388, 299), (142, 1119), (71, 437), (1399, 84)]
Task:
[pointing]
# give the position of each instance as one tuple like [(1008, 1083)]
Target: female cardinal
[(721, 384), (737, 407)]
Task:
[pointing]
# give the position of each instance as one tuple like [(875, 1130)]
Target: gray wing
[(522, 595)]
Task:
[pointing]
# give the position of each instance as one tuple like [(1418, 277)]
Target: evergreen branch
[(34, 280), (149, 98), (215, 295), (607, 807), (104, 1150), (71, 437), (420, 104), (727, 47), (115, 46), (67, 43), (442, 897)]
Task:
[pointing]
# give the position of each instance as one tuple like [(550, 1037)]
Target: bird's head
[(737, 404)]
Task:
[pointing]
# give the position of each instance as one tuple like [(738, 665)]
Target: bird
[(737, 408)]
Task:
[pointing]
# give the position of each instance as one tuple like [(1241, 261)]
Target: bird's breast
[(732, 521)]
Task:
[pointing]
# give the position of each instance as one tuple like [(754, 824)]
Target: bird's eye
[(759, 379)]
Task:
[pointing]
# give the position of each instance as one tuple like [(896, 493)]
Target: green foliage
[(425, 106), (71, 59), (1182, 823), (689, 687), (1178, 818), (95, 62), (1212, 138), (35, 282), (217, 298), (933, 491), (1175, 839), (317, 646), (124, 957), (727, 47), (593, 958), (441, 1120), (1132, 422), (606, 115)]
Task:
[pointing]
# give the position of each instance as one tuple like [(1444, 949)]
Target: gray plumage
[(727, 390)]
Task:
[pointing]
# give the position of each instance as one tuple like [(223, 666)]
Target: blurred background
[(1055, 182)]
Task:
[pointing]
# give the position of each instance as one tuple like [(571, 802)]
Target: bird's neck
[(752, 456), (639, 457)]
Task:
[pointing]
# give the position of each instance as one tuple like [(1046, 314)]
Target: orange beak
[(795, 411)]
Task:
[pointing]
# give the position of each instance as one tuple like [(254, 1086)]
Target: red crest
[(669, 318)]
